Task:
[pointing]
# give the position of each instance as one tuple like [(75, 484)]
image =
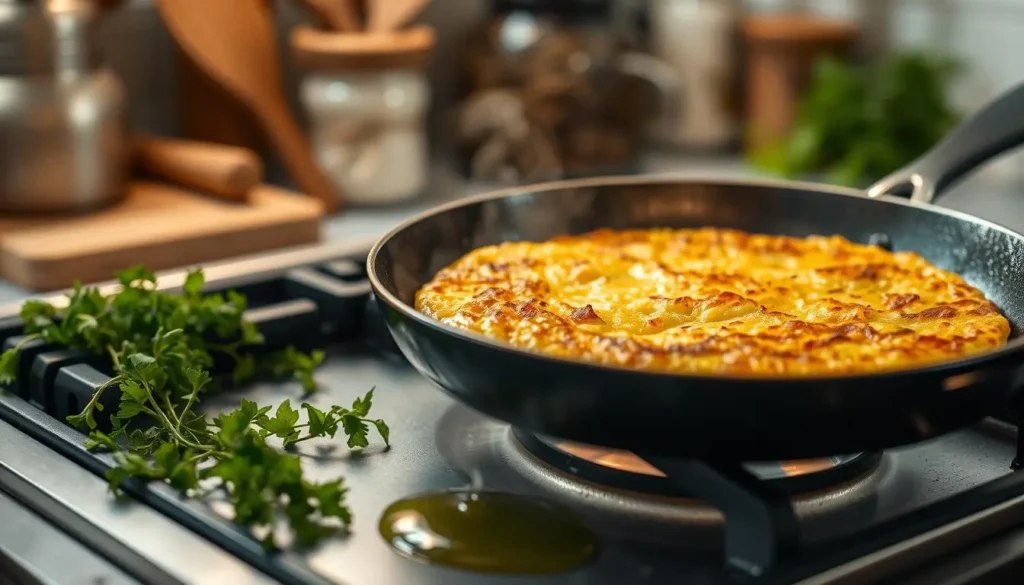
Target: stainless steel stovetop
[(947, 511)]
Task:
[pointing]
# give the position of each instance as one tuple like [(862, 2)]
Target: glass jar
[(552, 90), (366, 96)]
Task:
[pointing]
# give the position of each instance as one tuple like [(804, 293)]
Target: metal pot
[(62, 115)]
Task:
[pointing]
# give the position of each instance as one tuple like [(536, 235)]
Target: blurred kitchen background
[(169, 127)]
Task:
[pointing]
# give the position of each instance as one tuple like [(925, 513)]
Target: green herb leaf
[(283, 423), (194, 281), (83, 421), (8, 366), (97, 441), (320, 423), (135, 276), (361, 406), (245, 369), (300, 365), (383, 430), (356, 429)]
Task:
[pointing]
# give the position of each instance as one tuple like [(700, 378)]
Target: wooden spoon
[(233, 42), (338, 14), (226, 172), (386, 15)]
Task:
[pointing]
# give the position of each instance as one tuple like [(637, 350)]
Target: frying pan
[(719, 417)]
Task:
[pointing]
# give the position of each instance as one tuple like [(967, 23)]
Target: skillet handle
[(996, 128)]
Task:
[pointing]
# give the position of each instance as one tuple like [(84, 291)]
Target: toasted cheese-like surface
[(716, 301)]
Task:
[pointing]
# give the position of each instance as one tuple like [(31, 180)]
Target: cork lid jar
[(317, 50), (366, 96)]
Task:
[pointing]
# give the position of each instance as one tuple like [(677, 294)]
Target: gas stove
[(947, 511)]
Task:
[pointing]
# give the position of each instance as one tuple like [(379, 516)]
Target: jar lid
[(410, 48), (798, 28)]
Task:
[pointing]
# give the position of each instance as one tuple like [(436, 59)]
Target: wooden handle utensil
[(227, 172), (233, 41), (385, 15), (338, 14)]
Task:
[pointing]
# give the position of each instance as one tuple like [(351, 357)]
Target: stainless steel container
[(136, 45), (63, 123)]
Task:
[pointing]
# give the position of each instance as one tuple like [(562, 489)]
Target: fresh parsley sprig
[(161, 347)]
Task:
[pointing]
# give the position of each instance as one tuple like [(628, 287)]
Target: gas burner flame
[(630, 463)]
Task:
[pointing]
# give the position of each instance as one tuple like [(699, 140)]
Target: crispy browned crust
[(717, 301)]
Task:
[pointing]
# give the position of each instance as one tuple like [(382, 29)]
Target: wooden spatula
[(385, 15), (338, 14), (233, 42)]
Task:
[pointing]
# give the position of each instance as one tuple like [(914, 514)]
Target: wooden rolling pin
[(226, 172)]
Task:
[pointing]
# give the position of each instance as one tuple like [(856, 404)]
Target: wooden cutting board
[(158, 225)]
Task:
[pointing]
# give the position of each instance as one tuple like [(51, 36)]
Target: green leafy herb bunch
[(161, 347)]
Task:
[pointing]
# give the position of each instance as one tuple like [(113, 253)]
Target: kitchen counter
[(996, 193)]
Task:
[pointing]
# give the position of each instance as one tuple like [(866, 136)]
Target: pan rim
[(952, 367)]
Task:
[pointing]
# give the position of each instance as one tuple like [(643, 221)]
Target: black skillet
[(724, 418)]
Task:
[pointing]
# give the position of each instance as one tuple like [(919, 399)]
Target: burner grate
[(760, 526)]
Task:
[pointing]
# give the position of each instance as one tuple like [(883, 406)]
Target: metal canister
[(63, 125)]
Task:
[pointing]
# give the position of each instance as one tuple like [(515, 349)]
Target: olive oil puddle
[(488, 531)]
